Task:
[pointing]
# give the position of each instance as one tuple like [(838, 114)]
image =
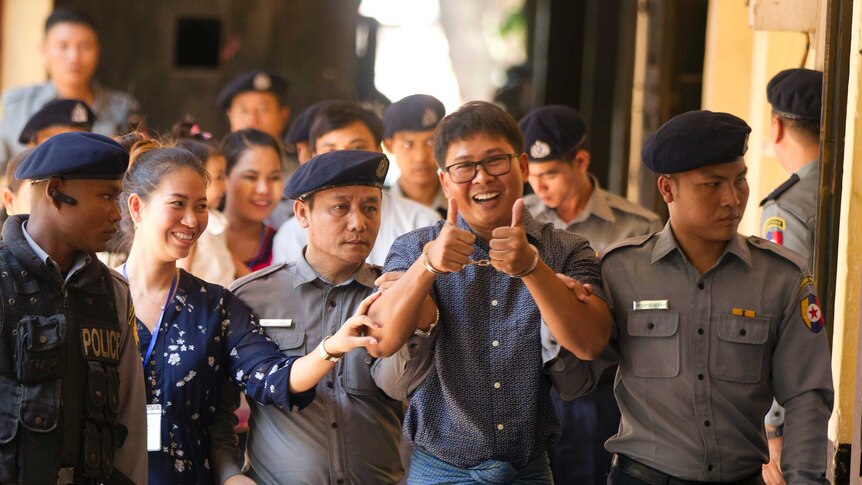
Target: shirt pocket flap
[(653, 323), (743, 330), (287, 339)]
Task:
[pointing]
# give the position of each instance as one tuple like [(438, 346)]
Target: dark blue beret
[(337, 169), (77, 155), (62, 112), (552, 131), (259, 81), (418, 112), (695, 139), (796, 93), (301, 126)]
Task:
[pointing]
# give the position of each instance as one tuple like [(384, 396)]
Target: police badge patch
[(773, 230), (540, 150), (809, 305)]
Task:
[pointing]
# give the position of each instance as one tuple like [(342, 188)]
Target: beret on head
[(301, 127), (76, 155), (419, 112), (59, 112), (695, 139), (337, 169), (552, 131), (259, 81), (796, 93)]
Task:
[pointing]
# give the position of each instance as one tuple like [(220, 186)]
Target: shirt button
[(500, 427), (700, 331), (330, 384), (339, 481), (497, 385), (495, 343), (700, 377), (334, 425), (700, 285), (706, 423), (742, 332), (37, 420), (332, 303), (709, 468), (494, 303)]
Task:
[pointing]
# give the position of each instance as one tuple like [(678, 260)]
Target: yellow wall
[(21, 30), (845, 344)]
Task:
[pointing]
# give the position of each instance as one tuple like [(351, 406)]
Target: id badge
[(154, 427)]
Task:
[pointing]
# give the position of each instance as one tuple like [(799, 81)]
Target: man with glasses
[(570, 198), (484, 317)]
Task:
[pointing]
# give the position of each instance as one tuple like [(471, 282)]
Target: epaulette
[(781, 189), (625, 243), (118, 276), (783, 252), (257, 274)]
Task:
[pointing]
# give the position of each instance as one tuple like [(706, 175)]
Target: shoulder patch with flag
[(773, 230), (809, 305)]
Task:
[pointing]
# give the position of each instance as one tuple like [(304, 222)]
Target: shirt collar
[(667, 243), (808, 168), (305, 274), (441, 202), (80, 261), (598, 204)]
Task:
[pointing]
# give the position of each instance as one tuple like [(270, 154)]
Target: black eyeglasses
[(495, 165)]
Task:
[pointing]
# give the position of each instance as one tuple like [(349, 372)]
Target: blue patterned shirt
[(487, 394)]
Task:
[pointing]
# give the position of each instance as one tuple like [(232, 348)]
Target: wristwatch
[(326, 355)]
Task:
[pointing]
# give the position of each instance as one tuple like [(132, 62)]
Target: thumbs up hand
[(453, 247), (510, 252)]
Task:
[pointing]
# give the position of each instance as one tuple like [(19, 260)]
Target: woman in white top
[(210, 259)]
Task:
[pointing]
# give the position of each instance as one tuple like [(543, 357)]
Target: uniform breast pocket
[(291, 341), (357, 373), (653, 343), (738, 355)]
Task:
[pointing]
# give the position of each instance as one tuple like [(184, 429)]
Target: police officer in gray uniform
[(565, 193), (351, 432), (711, 325), (789, 212), (71, 386), (70, 76), (570, 198)]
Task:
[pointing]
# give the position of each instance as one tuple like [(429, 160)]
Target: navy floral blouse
[(208, 336)]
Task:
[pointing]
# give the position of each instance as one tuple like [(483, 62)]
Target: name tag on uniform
[(154, 427), (650, 305), (276, 322)]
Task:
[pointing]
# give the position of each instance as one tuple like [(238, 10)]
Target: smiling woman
[(254, 182)]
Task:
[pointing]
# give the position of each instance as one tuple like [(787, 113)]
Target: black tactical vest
[(59, 384)]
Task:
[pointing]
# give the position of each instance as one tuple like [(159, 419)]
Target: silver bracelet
[(426, 261), (532, 266)]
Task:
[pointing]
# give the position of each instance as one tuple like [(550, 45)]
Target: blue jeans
[(426, 469)]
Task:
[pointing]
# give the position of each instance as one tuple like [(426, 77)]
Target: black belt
[(654, 477)]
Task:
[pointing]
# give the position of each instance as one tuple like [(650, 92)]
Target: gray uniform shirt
[(701, 357), (606, 219), (350, 433), (112, 109), (789, 213)]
